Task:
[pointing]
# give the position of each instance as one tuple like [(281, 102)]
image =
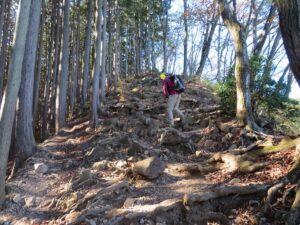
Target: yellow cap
[(162, 76)]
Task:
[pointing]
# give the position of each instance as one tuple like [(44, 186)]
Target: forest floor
[(207, 170)]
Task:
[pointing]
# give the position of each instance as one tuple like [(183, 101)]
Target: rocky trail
[(134, 169)]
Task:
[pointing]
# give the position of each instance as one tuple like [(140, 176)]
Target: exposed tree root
[(223, 191), (91, 194), (270, 197), (145, 210)]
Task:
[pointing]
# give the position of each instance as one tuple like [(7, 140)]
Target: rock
[(129, 202), (125, 140), (172, 137), (29, 201), (223, 127), (234, 181), (40, 168), (99, 152), (209, 144), (131, 159), (203, 123), (150, 168), (235, 130), (234, 146), (17, 198), (198, 153), (101, 165), (134, 149), (121, 164)]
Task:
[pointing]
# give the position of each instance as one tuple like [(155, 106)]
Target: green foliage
[(270, 100), (266, 91), (226, 91)]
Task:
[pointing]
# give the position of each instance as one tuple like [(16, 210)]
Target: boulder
[(40, 168), (150, 168), (172, 137)]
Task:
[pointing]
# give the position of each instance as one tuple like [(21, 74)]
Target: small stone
[(146, 152), (150, 168), (234, 181), (142, 221), (129, 202), (235, 130), (198, 153), (101, 165), (121, 164), (69, 163), (29, 201), (89, 130), (130, 159), (17, 198), (40, 168), (234, 146)]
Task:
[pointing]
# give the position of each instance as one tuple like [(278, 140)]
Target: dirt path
[(88, 176)]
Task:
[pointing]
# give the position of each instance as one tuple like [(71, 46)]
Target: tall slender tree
[(61, 97), (242, 70), (25, 141), (96, 69), (8, 105)]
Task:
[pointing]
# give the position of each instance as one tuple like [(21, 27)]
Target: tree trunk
[(62, 86), (206, 46), (116, 50), (87, 50), (185, 41), (103, 66), (242, 74), (110, 43), (8, 106), (96, 69), (2, 17), (25, 142), (4, 49), (289, 21), (166, 6), (38, 68)]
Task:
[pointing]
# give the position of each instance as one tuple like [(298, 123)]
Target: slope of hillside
[(134, 169)]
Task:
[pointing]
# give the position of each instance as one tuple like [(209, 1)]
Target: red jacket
[(168, 87)]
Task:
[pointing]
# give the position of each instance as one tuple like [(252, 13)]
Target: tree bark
[(242, 74), (2, 17), (36, 86), (206, 46), (4, 49), (289, 21), (96, 69), (25, 141), (62, 86), (8, 106), (185, 40), (87, 50), (103, 66)]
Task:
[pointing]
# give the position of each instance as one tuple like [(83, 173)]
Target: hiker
[(172, 89)]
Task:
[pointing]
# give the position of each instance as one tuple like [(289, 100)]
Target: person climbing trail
[(172, 88)]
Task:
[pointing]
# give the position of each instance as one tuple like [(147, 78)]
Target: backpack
[(178, 83)]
